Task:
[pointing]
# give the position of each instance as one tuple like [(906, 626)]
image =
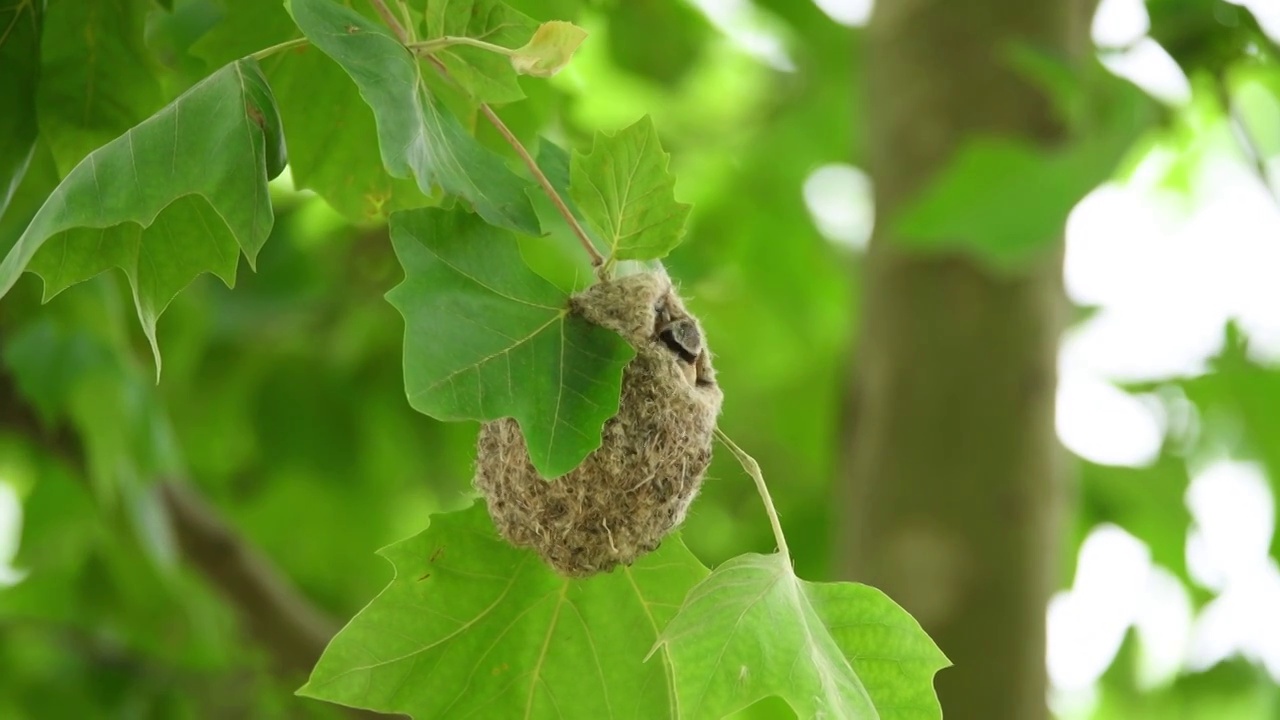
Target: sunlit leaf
[(486, 337), (1148, 502), (752, 629), (181, 194), (549, 50), (486, 75), (623, 188), (416, 138), (472, 627), (1242, 394)]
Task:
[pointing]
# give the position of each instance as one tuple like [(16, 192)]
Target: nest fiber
[(637, 486)]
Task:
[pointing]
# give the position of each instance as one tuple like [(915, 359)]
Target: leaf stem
[(384, 12), (279, 47), (427, 47), (597, 260), (408, 20), (753, 469)]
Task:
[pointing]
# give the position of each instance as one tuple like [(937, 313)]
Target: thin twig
[(597, 260), (753, 469), (384, 12), (408, 20)]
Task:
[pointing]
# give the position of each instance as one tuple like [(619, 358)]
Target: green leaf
[(1001, 200), (1148, 502), (486, 338), (557, 255), (335, 157), (627, 195), (472, 627), (416, 139), (487, 76), (1242, 395), (38, 180), (97, 79), (180, 194), (752, 629), (549, 50), (20, 56), (171, 33), (1004, 201)]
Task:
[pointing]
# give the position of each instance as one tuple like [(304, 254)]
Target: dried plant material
[(549, 50), (636, 488)]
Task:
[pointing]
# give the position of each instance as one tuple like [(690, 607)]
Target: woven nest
[(637, 486)]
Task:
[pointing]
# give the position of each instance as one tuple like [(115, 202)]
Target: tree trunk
[(953, 462)]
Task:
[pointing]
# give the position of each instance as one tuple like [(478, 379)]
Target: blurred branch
[(271, 609)]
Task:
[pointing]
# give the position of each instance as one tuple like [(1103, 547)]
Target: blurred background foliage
[(282, 400)]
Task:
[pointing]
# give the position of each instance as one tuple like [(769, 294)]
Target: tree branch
[(271, 609), (597, 260)]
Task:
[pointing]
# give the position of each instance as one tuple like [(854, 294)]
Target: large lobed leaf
[(329, 129), (184, 192), (416, 138), (752, 629), (627, 195), (486, 337), (472, 627), (486, 75)]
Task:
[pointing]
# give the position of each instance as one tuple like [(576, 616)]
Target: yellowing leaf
[(549, 50)]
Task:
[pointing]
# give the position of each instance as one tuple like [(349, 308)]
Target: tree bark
[(953, 466)]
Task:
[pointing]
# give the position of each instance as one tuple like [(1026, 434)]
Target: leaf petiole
[(384, 12), (427, 47), (279, 47), (597, 260), (408, 20), (753, 469)]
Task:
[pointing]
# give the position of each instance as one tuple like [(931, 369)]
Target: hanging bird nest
[(637, 486)]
